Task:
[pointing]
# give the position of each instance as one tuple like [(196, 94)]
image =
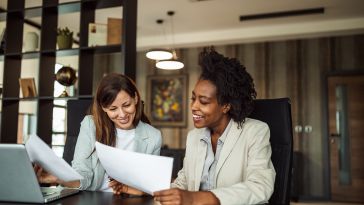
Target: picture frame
[(114, 31), (167, 100), (28, 88), (97, 34)]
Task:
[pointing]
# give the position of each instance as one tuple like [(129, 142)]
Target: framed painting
[(167, 99)]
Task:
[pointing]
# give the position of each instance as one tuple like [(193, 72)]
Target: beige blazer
[(244, 172)]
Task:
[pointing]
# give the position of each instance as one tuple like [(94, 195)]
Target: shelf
[(75, 51), (70, 7), (31, 55), (103, 4), (51, 12), (33, 12), (47, 98), (103, 49)]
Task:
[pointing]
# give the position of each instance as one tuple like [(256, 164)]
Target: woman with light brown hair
[(117, 119)]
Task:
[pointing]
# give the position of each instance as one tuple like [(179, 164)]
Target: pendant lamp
[(171, 64), (174, 63), (159, 53)]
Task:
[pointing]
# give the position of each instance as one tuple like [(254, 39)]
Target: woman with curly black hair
[(228, 155)]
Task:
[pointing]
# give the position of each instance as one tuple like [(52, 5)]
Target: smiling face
[(206, 110), (122, 110)]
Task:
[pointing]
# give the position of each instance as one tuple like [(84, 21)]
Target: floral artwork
[(167, 100)]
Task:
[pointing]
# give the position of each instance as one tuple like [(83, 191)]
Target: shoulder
[(253, 124), (148, 130), (88, 121), (195, 135), (256, 130)]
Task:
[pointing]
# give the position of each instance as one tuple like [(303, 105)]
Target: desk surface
[(96, 198)]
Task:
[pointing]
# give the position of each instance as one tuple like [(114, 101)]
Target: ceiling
[(214, 22), (217, 21)]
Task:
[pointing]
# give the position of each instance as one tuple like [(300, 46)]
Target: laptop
[(18, 182)]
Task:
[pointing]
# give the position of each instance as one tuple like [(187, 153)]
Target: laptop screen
[(17, 178), (18, 182)]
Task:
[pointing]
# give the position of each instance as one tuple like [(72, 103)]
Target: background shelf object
[(50, 14)]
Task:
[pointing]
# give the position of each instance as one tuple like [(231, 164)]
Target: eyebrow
[(201, 96)]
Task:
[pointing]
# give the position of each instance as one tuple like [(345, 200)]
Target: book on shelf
[(114, 30), (27, 86), (97, 34)]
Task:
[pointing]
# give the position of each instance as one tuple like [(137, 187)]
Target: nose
[(121, 112), (194, 105)]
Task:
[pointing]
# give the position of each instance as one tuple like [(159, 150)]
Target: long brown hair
[(106, 92)]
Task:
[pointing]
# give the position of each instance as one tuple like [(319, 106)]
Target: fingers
[(117, 187), (169, 196)]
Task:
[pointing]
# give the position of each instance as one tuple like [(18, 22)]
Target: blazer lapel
[(141, 144), (232, 136), (199, 162)]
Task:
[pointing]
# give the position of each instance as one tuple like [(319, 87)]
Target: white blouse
[(125, 140)]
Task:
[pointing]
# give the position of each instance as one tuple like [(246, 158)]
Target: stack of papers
[(41, 154), (145, 172)]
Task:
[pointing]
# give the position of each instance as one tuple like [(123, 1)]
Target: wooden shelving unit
[(49, 11)]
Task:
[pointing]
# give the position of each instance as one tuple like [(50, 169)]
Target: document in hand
[(40, 153), (148, 173)]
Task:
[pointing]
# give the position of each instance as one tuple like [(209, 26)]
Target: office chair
[(76, 111), (277, 114), (178, 155)]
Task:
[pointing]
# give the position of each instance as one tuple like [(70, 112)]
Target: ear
[(226, 108)]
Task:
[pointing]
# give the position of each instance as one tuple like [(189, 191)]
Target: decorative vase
[(31, 41), (64, 41)]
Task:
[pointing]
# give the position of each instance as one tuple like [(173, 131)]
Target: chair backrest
[(76, 111), (178, 156), (277, 114)]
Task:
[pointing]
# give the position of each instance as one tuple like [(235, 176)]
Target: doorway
[(346, 139)]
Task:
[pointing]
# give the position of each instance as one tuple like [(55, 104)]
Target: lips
[(123, 120)]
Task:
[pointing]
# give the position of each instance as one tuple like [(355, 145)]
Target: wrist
[(204, 198)]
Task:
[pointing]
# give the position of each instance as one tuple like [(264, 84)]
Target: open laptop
[(18, 182)]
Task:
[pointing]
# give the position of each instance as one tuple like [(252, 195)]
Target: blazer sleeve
[(260, 174), (82, 161), (181, 180)]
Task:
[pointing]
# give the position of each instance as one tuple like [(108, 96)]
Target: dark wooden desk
[(96, 198)]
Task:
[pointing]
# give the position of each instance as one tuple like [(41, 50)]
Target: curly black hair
[(234, 85)]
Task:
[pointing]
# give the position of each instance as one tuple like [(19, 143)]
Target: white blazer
[(244, 172)]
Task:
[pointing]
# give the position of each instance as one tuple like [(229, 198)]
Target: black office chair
[(76, 111), (277, 114), (178, 155)]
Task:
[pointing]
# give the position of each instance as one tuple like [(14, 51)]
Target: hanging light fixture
[(171, 64), (174, 63), (159, 53)]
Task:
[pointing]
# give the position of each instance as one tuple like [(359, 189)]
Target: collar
[(206, 136)]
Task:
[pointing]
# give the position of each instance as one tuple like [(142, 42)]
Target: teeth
[(197, 117)]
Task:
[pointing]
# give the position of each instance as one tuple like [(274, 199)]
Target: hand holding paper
[(42, 154), (148, 173)]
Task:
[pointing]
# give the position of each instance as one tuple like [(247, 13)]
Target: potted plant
[(64, 38)]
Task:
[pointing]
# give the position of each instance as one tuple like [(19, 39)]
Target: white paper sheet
[(148, 173), (40, 153)]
